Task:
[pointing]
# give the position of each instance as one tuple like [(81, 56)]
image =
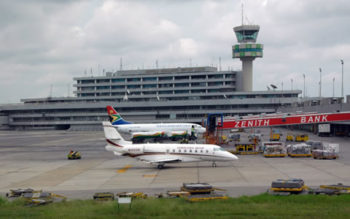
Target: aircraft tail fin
[(114, 139), (115, 117)]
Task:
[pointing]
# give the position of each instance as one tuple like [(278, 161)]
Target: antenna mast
[(242, 11)]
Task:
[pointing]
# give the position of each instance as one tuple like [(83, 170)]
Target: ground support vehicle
[(37, 197), (299, 150), (246, 149), (324, 154), (15, 193), (289, 137), (73, 155), (132, 194), (328, 151), (177, 194), (337, 187), (197, 188), (201, 192), (103, 196), (301, 138), (275, 136), (274, 149), (289, 186)]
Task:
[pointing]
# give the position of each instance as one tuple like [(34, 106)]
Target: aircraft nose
[(232, 156), (201, 130)]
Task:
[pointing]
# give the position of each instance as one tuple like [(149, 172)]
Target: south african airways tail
[(115, 117)]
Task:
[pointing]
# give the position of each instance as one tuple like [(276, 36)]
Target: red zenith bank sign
[(278, 120)]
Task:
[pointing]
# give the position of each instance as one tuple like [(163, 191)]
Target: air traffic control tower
[(247, 50)]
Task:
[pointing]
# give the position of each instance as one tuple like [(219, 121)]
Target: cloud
[(50, 42)]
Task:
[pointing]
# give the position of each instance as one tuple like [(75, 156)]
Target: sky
[(45, 43)]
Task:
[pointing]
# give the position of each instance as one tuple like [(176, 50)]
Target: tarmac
[(38, 160)]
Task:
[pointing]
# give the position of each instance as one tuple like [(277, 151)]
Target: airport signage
[(278, 120)]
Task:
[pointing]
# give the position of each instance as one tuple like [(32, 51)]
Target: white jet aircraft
[(160, 154), (127, 127)]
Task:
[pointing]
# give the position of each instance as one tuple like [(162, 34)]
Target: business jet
[(161, 154), (127, 127)]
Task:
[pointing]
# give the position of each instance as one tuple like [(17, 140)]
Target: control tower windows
[(246, 35)]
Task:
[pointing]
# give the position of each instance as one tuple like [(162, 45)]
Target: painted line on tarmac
[(124, 169), (149, 175)]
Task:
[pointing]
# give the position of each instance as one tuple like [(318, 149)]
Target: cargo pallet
[(326, 157), (293, 190), (300, 155), (336, 187), (275, 155), (196, 198)]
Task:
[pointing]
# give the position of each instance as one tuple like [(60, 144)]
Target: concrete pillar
[(247, 73)]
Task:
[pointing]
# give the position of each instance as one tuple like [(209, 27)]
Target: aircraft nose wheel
[(160, 166), (213, 164)]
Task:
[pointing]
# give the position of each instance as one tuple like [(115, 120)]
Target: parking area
[(38, 160)]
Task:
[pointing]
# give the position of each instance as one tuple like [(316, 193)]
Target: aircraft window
[(167, 150), (195, 151), (201, 151), (179, 150), (174, 150), (207, 151), (185, 151), (190, 151)]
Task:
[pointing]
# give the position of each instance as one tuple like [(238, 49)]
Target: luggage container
[(197, 188), (299, 150), (328, 151), (315, 145), (274, 149), (288, 185)]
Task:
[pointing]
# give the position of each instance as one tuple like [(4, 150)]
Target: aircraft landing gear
[(213, 164), (160, 166)]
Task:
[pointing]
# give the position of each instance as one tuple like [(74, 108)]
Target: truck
[(324, 129)]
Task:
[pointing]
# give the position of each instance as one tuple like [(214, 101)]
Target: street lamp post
[(304, 85), (333, 86), (320, 92), (342, 77)]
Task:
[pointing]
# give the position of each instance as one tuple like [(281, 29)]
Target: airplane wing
[(162, 159), (174, 160)]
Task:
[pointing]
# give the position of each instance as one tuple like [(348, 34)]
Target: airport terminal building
[(184, 94)]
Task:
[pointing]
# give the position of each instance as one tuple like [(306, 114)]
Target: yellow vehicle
[(289, 137), (275, 136), (73, 155), (301, 138), (103, 196), (246, 148)]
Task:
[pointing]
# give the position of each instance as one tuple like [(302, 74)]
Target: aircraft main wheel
[(213, 164), (160, 166)]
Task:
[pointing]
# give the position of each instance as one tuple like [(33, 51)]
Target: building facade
[(151, 95)]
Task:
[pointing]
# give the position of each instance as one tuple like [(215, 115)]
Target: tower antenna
[(242, 5), (121, 63)]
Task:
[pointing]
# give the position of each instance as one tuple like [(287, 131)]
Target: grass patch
[(262, 206)]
